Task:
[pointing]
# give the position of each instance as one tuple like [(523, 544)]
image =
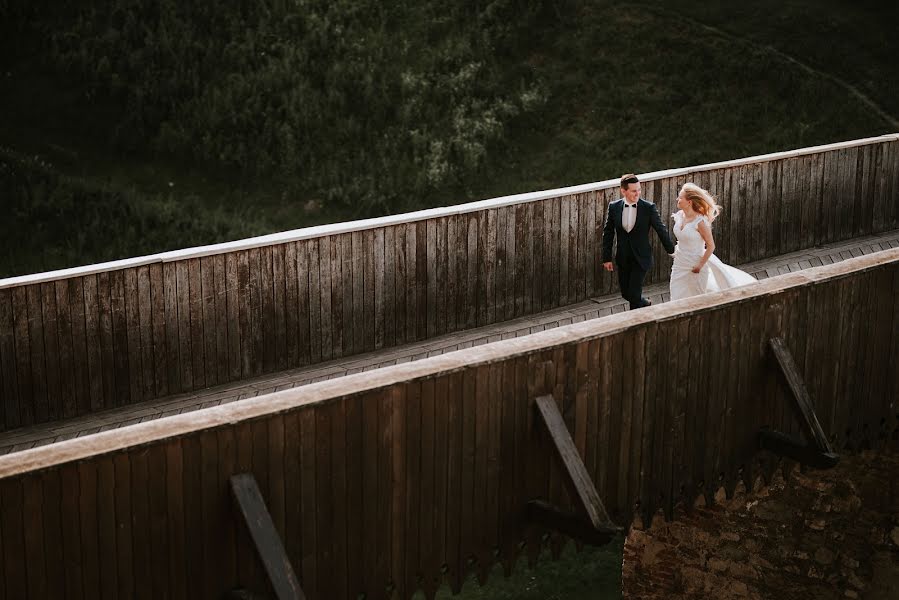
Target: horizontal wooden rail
[(400, 478)]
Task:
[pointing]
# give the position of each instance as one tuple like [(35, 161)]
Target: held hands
[(608, 266), (697, 268)]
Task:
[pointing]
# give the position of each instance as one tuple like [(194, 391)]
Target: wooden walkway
[(30, 437)]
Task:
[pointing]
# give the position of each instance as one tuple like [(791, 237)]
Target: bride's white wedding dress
[(714, 275)]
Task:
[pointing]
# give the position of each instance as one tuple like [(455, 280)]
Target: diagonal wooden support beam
[(818, 451), (271, 552), (579, 482)]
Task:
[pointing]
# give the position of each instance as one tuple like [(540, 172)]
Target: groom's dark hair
[(628, 179)]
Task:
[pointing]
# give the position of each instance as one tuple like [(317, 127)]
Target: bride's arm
[(705, 231)]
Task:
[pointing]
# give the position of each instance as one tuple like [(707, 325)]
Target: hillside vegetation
[(135, 126)]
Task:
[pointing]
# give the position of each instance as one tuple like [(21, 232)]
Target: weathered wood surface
[(430, 465), (47, 433), (117, 336)]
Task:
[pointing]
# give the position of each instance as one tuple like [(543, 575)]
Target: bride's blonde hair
[(703, 202)]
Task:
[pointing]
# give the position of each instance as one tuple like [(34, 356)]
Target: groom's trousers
[(630, 280)]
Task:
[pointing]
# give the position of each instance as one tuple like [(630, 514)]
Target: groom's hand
[(608, 266)]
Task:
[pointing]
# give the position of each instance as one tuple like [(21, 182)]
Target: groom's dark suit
[(634, 255)]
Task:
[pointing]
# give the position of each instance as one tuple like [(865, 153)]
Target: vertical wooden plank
[(483, 294), (220, 285), (95, 371), (338, 490), (341, 265), (12, 523), (10, 394), (86, 474), (292, 314), (47, 306), (213, 517), (389, 270), (637, 415), (314, 289), (173, 345), (267, 308), (106, 527), (357, 262), (481, 543), (380, 293), (34, 551), (307, 425), (68, 388), (55, 557), (71, 531), (520, 274), (400, 283), (247, 561), (233, 293), (140, 524), (191, 461), (398, 502), (174, 494), (451, 284), (293, 543), (539, 289), (147, 381), (564, 249), (256, 340), (280, 290), (472, 297), (351, 414), (455, 467), (324, 503), (621, 420), (132, 335), (369, 277), (430, 242), (30, 388), (422, 273), (158, 319), (592, 231), (423, 566), (209, 318), (508, 284), (305, 311), (439, 552), (370, 480), (490, 265), (441, 251), (183, 336), (197, 326), (412, 282)]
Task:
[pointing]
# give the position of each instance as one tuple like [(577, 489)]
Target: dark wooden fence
[(81, 340), (386, 481)]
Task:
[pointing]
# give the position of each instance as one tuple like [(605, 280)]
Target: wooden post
[(818, 452), (598, 528), (265, 537)]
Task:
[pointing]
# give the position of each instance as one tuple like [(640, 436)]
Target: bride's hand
[(697, 268)]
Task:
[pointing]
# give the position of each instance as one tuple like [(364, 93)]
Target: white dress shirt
[(629, 216)]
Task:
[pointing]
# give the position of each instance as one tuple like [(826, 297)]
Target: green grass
[(626, 87), (588, 574)]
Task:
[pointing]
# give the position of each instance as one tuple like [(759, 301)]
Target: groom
[(631, 217)]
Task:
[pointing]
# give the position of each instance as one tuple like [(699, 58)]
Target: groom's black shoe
[(646, 301)]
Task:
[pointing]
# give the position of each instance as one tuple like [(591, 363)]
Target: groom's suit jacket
[(636, 242)]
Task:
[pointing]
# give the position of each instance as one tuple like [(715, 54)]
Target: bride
[(696, 270)]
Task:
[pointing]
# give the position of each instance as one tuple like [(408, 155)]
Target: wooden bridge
[(383, 383)]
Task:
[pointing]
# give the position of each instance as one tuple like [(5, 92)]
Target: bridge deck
[(30, 437)]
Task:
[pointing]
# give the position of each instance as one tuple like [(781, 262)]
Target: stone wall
[(815, 534)]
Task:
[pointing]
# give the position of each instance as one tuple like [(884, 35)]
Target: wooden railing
[(389, 480), (85, 339)]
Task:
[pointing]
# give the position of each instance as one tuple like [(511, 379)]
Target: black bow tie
[(626, 205)]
